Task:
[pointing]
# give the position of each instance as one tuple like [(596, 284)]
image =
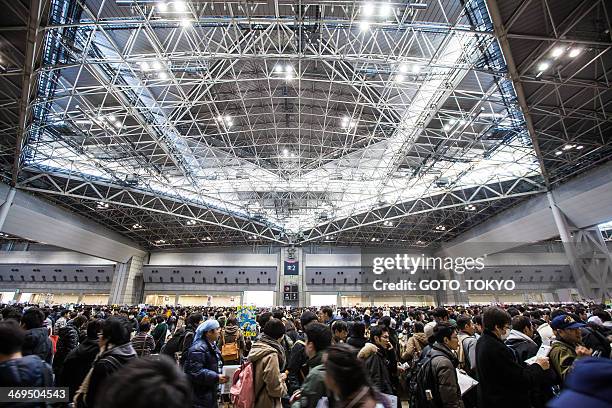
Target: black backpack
[(423, 384), (175, 344)]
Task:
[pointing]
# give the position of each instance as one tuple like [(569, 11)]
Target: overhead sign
[(292, 267)]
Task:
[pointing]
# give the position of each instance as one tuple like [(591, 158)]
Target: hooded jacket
[(68, 340), (314, 385), (76, 365), (377, 365), (414, 345), (267, 359), (202, 366), (28, 371), (106, 364), (523, 347), (232, 334), (37, 342)]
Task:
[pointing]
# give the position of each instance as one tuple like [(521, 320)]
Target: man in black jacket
[(504, 383), (297, 365), (79, 361), (520, 339), (115, 351), (376, 360), (37, 339), (443, 364)]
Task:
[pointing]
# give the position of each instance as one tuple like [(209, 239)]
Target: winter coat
[(28, 371), (595, 338), (143, 344), (523, 347), (297, 367), (76, 365), (444, 364), (159, 335), (414, 345), (232, 334), (377, 365), (202, 366), (68, 340), (267, 359), (562, 356), (106, 364), (37, 342), (314, 387), (504, 383)]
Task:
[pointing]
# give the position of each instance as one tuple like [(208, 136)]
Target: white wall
[(51, 257), (332, 259), (213, 259)]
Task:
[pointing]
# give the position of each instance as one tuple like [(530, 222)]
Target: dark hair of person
[(339, 326), (327, 311), (160, 319), (274, 328), (419, 327), (520, 322), (440, 312), (306, 318), (385, 321), (10, 312), (232, 321), (263, 318), (319, 335), (463, 321), (79, 321), (377, 331), (194, 319), (513, 311), (157, 374), (278, 314), (443, 330), (94, 328), (12, 337), (477, 319), (116, 330), (347, 371), (493, 317), (33, 318), (145, 326), (357, 329)]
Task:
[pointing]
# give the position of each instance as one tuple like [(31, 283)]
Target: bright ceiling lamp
[(144, 65), (385, 10), (156, 65), (180, 6), (399, 78), (162, 7), (574, 52), (403, 68), (416, 69), (185, 23), (279, 69), (543, 66), (162, 75), (367, 9), (557, 52), (364, 25)]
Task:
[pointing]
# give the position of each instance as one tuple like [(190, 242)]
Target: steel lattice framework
[(310, 121)]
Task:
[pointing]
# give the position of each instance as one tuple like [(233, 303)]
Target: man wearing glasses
[(504, 382)]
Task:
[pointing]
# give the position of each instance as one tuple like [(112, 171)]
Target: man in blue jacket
[(203, 365)]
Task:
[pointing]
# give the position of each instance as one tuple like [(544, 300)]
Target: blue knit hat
[(587, 385)]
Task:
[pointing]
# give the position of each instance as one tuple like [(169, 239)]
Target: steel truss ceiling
[(233, 122)]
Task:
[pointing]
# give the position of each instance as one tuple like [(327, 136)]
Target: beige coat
[(267, 383)]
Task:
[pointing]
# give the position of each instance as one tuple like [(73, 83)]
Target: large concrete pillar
[(587, 254), (4, 208), (128, 282)]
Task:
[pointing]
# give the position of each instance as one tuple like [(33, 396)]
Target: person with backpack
[(297, 369), (115, 351), (143, 342), (267, 356), (466, 352), (232, 343), (203, 365), (318, 339), (415, 344), (178, 345)]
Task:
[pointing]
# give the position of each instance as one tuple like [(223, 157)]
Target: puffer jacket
[(28, 371), (68, 340), (202, 366), (268, 386), (443, 363), (37, 342)]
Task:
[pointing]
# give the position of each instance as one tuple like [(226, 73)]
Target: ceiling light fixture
[(156, 65), (180, 6), (385, 10), (364, 25), (558, 153), (403, 68), (162, 75), (399, 78), (579, 147), (191, 222), (367, 9), (568, 146), (144, 65), (416, 69), (279, 69), (557, 52), (162, 7), (136, 226), (543, 66), (574, 52), (185, 23), (441, 228), (470, 207)]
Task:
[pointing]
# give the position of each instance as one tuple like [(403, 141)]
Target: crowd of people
[(531, 356)]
